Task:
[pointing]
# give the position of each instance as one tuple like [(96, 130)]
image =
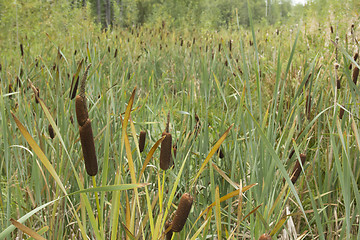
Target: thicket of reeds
[(245, 107)]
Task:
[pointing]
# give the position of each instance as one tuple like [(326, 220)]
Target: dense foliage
[(263, 114)]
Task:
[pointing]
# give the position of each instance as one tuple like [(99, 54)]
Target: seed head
[(165, 151), (142, 139), (182, 212), (88, 148)]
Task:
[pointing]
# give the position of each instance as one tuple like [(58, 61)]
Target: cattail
[(81, 110), (338, 84), (356, 55), (219, 47), (265, 237), (331, 29), (308, 106), (355, 75), (297, 168), (181, 42), (226, 63), (75, 52), (10, 89), (37, 95), (109, 49), (142, 139), (88, 148), (21, 49), (182, 212), (115, 53), (168, 233), (193, 40), (341, 113), (250, 42), (220, 153), (51, 131), (165, 151), (86, 134)]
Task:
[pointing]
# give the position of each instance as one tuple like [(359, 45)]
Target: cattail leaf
[(127, 115), (251, 212), (223, 174), (217, 212), (226, 197), (26, 230), (39, 152), (211, 153), (198, 231), (11, 228), (220, 90), (278, 225)]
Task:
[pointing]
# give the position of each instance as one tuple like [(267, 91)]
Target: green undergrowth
[(251, 91)]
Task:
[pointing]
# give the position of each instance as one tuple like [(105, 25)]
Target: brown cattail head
[(165, 151), (265, 237), (10, 89), (331, 29), (21, 49), (182, 212), (297, 168), (115, 54), (355, 75), (142, 139), (88, 148), (168, 230), (51, 131), (341, 113), (81, 110), (338, 84), (356, 55)]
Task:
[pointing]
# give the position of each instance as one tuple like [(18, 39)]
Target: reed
[(182, 212)]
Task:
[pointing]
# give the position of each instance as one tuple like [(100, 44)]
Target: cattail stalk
[(182, 212)]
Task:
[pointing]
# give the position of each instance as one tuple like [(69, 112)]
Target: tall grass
[(250, 100)]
